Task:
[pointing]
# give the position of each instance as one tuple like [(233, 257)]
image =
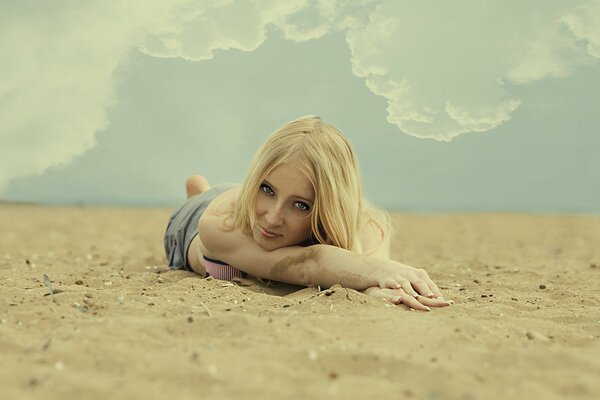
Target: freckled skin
[(313, 254), (288, 262)]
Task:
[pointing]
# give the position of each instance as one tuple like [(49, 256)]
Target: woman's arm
[(375, 240), (317, 265)]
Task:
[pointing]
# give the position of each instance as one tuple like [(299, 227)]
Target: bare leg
[(196, 184)]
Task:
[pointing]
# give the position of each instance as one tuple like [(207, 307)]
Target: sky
[(462, 106)]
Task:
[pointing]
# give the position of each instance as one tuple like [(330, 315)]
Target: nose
[(274, 216)]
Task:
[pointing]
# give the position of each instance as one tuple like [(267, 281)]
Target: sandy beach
[(89, 310)]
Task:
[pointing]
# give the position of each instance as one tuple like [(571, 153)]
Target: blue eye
[(302, 206), (266, 188)]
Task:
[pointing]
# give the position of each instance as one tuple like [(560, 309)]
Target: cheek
[(259, 205), (304, 227)]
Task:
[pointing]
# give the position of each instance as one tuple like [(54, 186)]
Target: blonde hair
[(325, 156)]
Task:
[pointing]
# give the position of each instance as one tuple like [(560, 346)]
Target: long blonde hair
[(325, 156)]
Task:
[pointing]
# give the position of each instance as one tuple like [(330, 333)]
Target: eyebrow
[(295, 195)]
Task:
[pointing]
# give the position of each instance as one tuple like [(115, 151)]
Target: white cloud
[(584, 22), (208, 26), (54, 88), (59, 59), (243, 25), (442, 66)]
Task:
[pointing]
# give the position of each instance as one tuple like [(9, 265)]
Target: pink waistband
[(221, 271)]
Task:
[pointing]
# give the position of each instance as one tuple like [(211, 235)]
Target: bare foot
[(196, 184)]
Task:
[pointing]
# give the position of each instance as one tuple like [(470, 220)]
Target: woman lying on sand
[(300, 218)]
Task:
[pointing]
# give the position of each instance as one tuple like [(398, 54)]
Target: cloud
[(207, 26), (444, 66), (244, 24), (584, 22), (57, 77)]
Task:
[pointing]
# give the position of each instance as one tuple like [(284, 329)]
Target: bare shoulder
[(214, 235), (222, 204)]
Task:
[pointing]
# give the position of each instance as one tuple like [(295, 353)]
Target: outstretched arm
[(377, 242), (317, 265)]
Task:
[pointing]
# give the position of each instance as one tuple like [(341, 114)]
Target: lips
[(267, 233)]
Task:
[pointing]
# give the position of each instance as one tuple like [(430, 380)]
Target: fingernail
[(397, 299), (427, 308), (415, 294)]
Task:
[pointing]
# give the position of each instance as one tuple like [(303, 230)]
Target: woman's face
[(283, 206)]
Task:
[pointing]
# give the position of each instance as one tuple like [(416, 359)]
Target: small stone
[(533, 335), (213, 371), (79, 282), (190, 319), (108, 283), (542, 286), (88, 295), (160, 280)]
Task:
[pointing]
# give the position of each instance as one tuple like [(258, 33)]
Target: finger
[(394, 299), (390, 295), (389, 283), (432, 286), (412, 302), (434, 302), (422, 287), (407, 288)]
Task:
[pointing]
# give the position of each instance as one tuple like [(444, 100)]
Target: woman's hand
[(399, 296), (413, 281)]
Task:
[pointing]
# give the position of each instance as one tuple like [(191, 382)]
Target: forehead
[(289, 180)]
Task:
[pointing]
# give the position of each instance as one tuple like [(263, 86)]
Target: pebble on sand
[(533, 335)]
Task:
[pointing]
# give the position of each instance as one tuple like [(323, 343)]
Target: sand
[(119, 325)]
